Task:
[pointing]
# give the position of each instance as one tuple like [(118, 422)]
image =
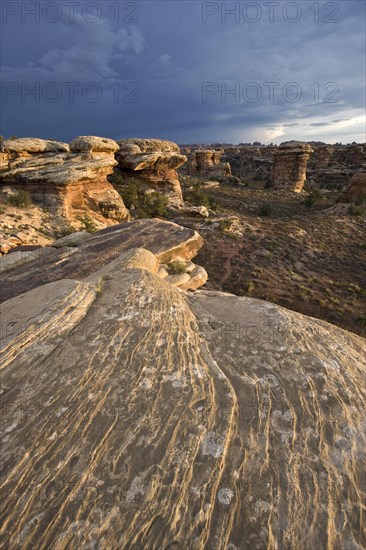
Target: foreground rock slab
[(168, 241), (136, 415)]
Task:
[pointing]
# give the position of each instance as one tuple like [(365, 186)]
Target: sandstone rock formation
[(323, 156), (289, 165), (136, 415), (71, 180), (356, 190), (206, 164), (152, 164)]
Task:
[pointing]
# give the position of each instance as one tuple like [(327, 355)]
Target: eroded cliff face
[(137, 415), (69, 179), (152, 164)]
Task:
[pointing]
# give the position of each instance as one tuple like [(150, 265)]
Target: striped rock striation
[(137, 415)]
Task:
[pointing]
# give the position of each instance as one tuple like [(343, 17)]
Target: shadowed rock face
[(152, 163), (356, 188), (206, 163), (136, 415), (72, 180), (289, 165)]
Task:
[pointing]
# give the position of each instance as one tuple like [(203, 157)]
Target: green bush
[(130, 195), (177, 267), (20, 199), (361, 200), (265, 209), (87, 223), (196, 196), (153, 204), (357, 211), (225, 224), (361, 321), (248, 288), (66, 230), (313, 197)]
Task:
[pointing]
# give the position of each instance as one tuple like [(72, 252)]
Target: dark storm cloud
[(187, 71)]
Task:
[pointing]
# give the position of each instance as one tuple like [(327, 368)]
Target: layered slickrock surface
[(168, 241), (136, 415)]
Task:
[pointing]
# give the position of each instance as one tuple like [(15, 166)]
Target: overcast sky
[(188, 71)]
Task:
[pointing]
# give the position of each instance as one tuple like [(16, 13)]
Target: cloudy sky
[(189, 71)]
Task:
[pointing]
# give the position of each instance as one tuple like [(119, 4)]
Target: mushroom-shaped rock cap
[(148, 146), (84, 144), (296, 145), (33, 145)]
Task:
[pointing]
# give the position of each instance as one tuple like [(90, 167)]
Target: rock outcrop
[(356, 190), (135, 415), (152, 164), (289, 165), (69, 179), (250, 164), (81, 258), (206, 164)]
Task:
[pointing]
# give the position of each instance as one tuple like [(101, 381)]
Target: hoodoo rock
[(289, 165), (152, 164), (206, 164), (69, 179), (356, 190), (138, 415)]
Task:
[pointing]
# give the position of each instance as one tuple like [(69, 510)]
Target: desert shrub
[(357, 210), (248, 288), (20, 199), (87, 224), (268, 184), (154, 204), (177, 267), (360, 200), (265, 209), (312, 198), (130, 195), (225, 224), (65, 230), (361, 321), (271, 245), (198, 197)]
